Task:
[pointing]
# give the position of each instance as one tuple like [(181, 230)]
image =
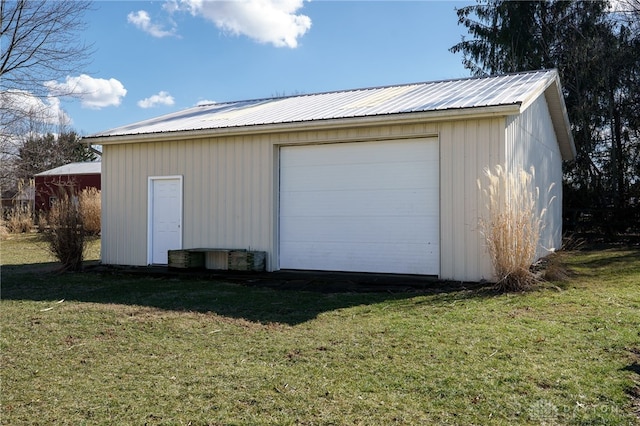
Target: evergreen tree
[(596, 52), (40, 153)]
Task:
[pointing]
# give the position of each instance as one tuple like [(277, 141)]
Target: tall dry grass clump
[(19, 219), (66, 236), (4, 232), (513, 227), (90, 209)]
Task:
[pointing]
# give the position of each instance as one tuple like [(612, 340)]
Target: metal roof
[(88, 168), (440, 96)]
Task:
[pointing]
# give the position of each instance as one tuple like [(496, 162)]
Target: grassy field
[(108, 348)]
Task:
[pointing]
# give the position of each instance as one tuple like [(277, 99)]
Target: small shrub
[(66, 236), (513, 227), (90, 209), (19, 220)]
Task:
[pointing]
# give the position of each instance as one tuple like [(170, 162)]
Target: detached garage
[(369, 180)]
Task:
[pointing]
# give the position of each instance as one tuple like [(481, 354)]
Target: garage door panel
[(344, 229), (357, 177), (374, 258), (392, 203), (352, 153), (370, 207)]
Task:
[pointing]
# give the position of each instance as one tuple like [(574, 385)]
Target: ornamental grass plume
[(90, 208), (513, 226), (19, 219)]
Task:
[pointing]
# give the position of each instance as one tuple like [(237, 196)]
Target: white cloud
[(45, 110), (94, 93), (266, 21), (142, 20), (162, 98)]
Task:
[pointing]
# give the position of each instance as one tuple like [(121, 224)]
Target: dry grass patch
[(19, 220)]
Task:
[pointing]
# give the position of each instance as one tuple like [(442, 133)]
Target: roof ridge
[(387, 86)]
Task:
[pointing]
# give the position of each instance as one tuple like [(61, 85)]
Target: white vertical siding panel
[(127, 198), (459, 198), (190, 193), (205, 214), (243, 193), (124, 236), (493, 138), (121, 207), (471, 171), (531, 142), (174, 158), (105, 213), (234, 193), (209, 190), (447, 260), (216, 193), (201, 212), (452, 145), (467, 148), (145, 163), (258, 213), (114, 229), (139, 203), (232, 190)]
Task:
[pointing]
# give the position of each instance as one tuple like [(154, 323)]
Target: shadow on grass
[(289, 298), (614, 258)]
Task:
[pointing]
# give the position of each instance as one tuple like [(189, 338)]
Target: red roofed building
[(77, 175)]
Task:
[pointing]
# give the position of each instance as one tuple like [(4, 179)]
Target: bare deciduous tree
[(40, 41)]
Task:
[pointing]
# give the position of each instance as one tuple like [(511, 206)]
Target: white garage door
[(362, 207)]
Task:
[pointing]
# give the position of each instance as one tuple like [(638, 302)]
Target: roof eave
[(350, 122), (560, 119)]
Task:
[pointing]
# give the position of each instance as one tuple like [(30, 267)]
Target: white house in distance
[(371, 180)]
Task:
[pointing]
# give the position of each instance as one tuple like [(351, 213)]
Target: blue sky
[(152, 58)]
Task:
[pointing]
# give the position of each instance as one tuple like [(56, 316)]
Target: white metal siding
[(467, 148), (364, 207), (230, 189), (229, 195), (124, 205), (531, 142)]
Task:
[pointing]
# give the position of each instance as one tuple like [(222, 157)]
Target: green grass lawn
[(112, 348)]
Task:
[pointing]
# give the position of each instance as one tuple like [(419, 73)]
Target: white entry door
[(165, 217), (364, 207)]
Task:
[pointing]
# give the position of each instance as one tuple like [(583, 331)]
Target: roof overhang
[(559, 117)]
